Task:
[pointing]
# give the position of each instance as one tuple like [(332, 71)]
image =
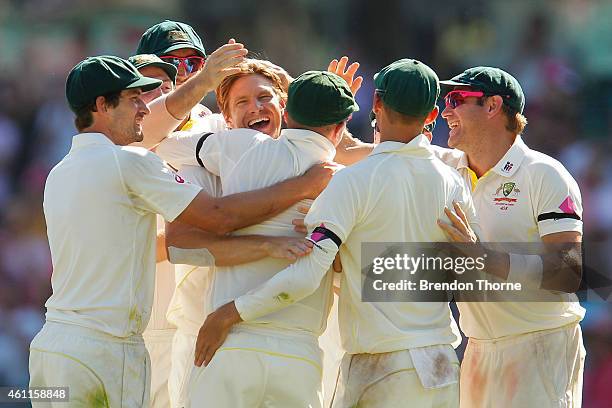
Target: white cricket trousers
[(100, 370), (541, 370), (424, 377), (260, 370), (159, 345)]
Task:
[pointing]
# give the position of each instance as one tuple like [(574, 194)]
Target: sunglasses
[(456, 98), (190, 64)]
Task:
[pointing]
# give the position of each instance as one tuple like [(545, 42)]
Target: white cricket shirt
[(525, 196), (247, 160), (100, 204), (396, 194)]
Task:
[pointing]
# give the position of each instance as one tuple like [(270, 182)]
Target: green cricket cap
[(319, 98), (492, 81), (169, 36), (102, 75), (408, 86), (152, 60)]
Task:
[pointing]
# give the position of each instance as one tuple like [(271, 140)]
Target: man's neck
[(399, 133), (99, 129), (484, 157)]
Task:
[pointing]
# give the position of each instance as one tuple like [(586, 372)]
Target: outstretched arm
[(225, 214), (228, 250)]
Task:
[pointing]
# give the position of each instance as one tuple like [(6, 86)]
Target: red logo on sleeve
[(179, 179)]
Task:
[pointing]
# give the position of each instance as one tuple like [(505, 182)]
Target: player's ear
[(228, 121), (494, 105), (432, 116), (100, 104), (377, 104)]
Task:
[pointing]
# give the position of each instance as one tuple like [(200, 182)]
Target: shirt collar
[(306, 140), (85, 139), (509, 164), (419, 146)]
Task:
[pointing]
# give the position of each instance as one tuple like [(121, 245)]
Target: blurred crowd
[(560, 51)]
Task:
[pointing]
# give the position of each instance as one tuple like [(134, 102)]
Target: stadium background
[(560, 51)]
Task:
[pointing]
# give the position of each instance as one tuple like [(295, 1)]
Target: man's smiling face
[(254, 103)]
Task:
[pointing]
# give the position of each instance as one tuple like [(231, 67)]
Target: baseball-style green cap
[(408, 86), (97, 76), (491, 81), (169, 36), (152, 60), (319, 98)]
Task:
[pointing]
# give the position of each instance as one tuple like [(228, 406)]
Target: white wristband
[(195, 257), (526, 269)]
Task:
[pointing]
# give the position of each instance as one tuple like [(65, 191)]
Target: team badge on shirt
[(506, 195), (179, 179)]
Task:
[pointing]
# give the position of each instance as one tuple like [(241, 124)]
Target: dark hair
[(84, 118), (515, 121)]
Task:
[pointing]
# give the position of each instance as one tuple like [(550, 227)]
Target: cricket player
[(263, 361), (253, 98), (100, 203), (256, 96), (519, 354), (398, 354)]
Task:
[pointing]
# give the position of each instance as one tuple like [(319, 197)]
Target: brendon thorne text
[(423, 284)]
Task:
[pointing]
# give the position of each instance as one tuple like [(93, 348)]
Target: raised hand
[(222, 63), (284, 76), (338, 68)]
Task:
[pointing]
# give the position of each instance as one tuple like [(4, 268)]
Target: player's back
[(264, 163), (399, 192)]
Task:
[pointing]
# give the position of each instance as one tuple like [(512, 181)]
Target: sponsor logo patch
[(505, 195)]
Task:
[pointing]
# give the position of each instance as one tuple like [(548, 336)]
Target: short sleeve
[(200, 176), (179, 148), (224, 149), (557, 200), (152, 186)]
